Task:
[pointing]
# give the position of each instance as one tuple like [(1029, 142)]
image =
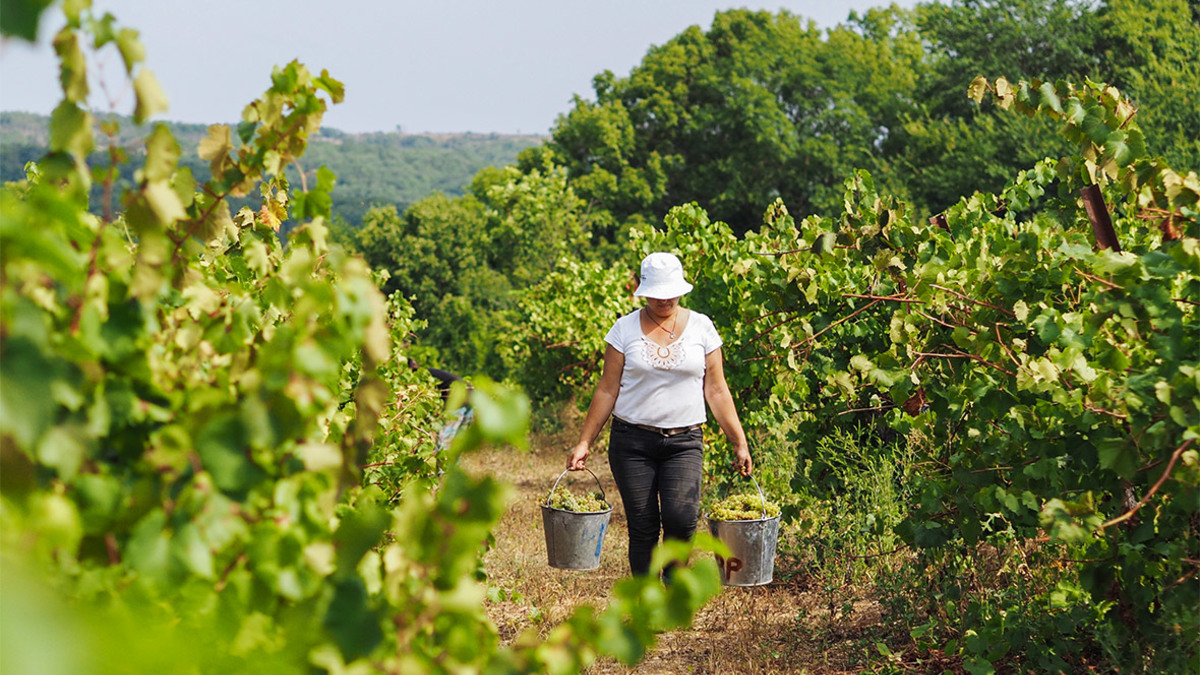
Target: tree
[(462, 261), (952, 147), (1048, 39), (758, 107), (1151, 47)]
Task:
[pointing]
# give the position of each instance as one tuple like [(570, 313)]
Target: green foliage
[(213, 452), (1050, 398), (855, 489), (21, 18)]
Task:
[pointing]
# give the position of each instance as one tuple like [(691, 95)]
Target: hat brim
[(663, 291)]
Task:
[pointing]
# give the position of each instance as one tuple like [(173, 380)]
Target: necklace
[(674, 320)]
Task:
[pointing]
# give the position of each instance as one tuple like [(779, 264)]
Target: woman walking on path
[(661, 365)]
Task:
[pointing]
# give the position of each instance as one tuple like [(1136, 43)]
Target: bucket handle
[(761, 496), (602, 495)]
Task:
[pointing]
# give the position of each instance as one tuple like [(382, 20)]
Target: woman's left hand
[(579, 455), (741, 460)]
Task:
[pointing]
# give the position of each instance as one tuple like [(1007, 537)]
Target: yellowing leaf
[(132, 51), (218, 228), (188, 335), (1045, 369), (337, 92), (256, 256), (977, 88), (1083, 370), (164, 202), (377, 342), (150, 97), (201, 300), (215, 147), (162, 154), (267, 216), (71, 130), (321, 557), (72, 67), (320, 457), (272, 162)]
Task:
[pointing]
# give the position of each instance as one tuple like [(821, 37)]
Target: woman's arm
[(600, 408), (720, 401)]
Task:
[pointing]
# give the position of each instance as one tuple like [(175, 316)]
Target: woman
[(661, 365)]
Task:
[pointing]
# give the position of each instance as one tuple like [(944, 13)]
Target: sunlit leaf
[(150, 98)]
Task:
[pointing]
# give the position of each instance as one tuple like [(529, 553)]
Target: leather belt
[(673, 431)]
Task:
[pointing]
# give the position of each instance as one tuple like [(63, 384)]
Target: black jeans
[(659, 480)]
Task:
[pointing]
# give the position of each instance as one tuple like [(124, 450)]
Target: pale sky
[(438, 65)]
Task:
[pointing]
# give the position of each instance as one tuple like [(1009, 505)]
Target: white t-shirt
[(663, 386)]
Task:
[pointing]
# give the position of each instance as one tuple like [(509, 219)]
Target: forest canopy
[(373, 169)]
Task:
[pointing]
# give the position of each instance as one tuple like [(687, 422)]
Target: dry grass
[(785, 627)]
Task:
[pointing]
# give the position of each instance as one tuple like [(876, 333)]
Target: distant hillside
[(376, 168)]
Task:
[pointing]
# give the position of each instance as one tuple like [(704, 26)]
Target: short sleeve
[(709, 337), (613, 337)]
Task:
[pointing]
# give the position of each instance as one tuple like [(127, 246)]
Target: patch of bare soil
[(784, 627)]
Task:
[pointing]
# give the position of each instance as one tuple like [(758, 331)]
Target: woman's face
[(662, 309)]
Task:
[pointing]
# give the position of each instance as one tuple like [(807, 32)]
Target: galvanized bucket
[(574, 540), (751, 545)]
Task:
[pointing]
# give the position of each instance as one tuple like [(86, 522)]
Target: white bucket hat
[(662, 278)]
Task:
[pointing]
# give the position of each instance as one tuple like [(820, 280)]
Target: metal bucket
[(574, 540), (751, 545)]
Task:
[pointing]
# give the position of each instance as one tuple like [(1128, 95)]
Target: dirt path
[(777, 628)]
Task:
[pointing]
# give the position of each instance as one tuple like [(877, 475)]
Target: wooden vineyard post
[(1097, 211)]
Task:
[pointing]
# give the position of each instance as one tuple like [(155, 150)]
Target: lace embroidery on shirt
[(663, 358)]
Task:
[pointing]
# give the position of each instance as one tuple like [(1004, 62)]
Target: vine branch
[(844, 319), (892, 298), (981, 303), (1158, 484)]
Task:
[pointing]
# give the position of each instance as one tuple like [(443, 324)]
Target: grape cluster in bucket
[(564, 500), (743, 507)]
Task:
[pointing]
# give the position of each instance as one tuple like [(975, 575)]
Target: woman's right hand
[(579, 455)]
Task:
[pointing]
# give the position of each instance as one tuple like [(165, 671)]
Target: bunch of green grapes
[(743, 507), (562, 499)]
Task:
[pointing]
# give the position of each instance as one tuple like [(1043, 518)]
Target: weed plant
[(853, 491), (1001, 602)]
